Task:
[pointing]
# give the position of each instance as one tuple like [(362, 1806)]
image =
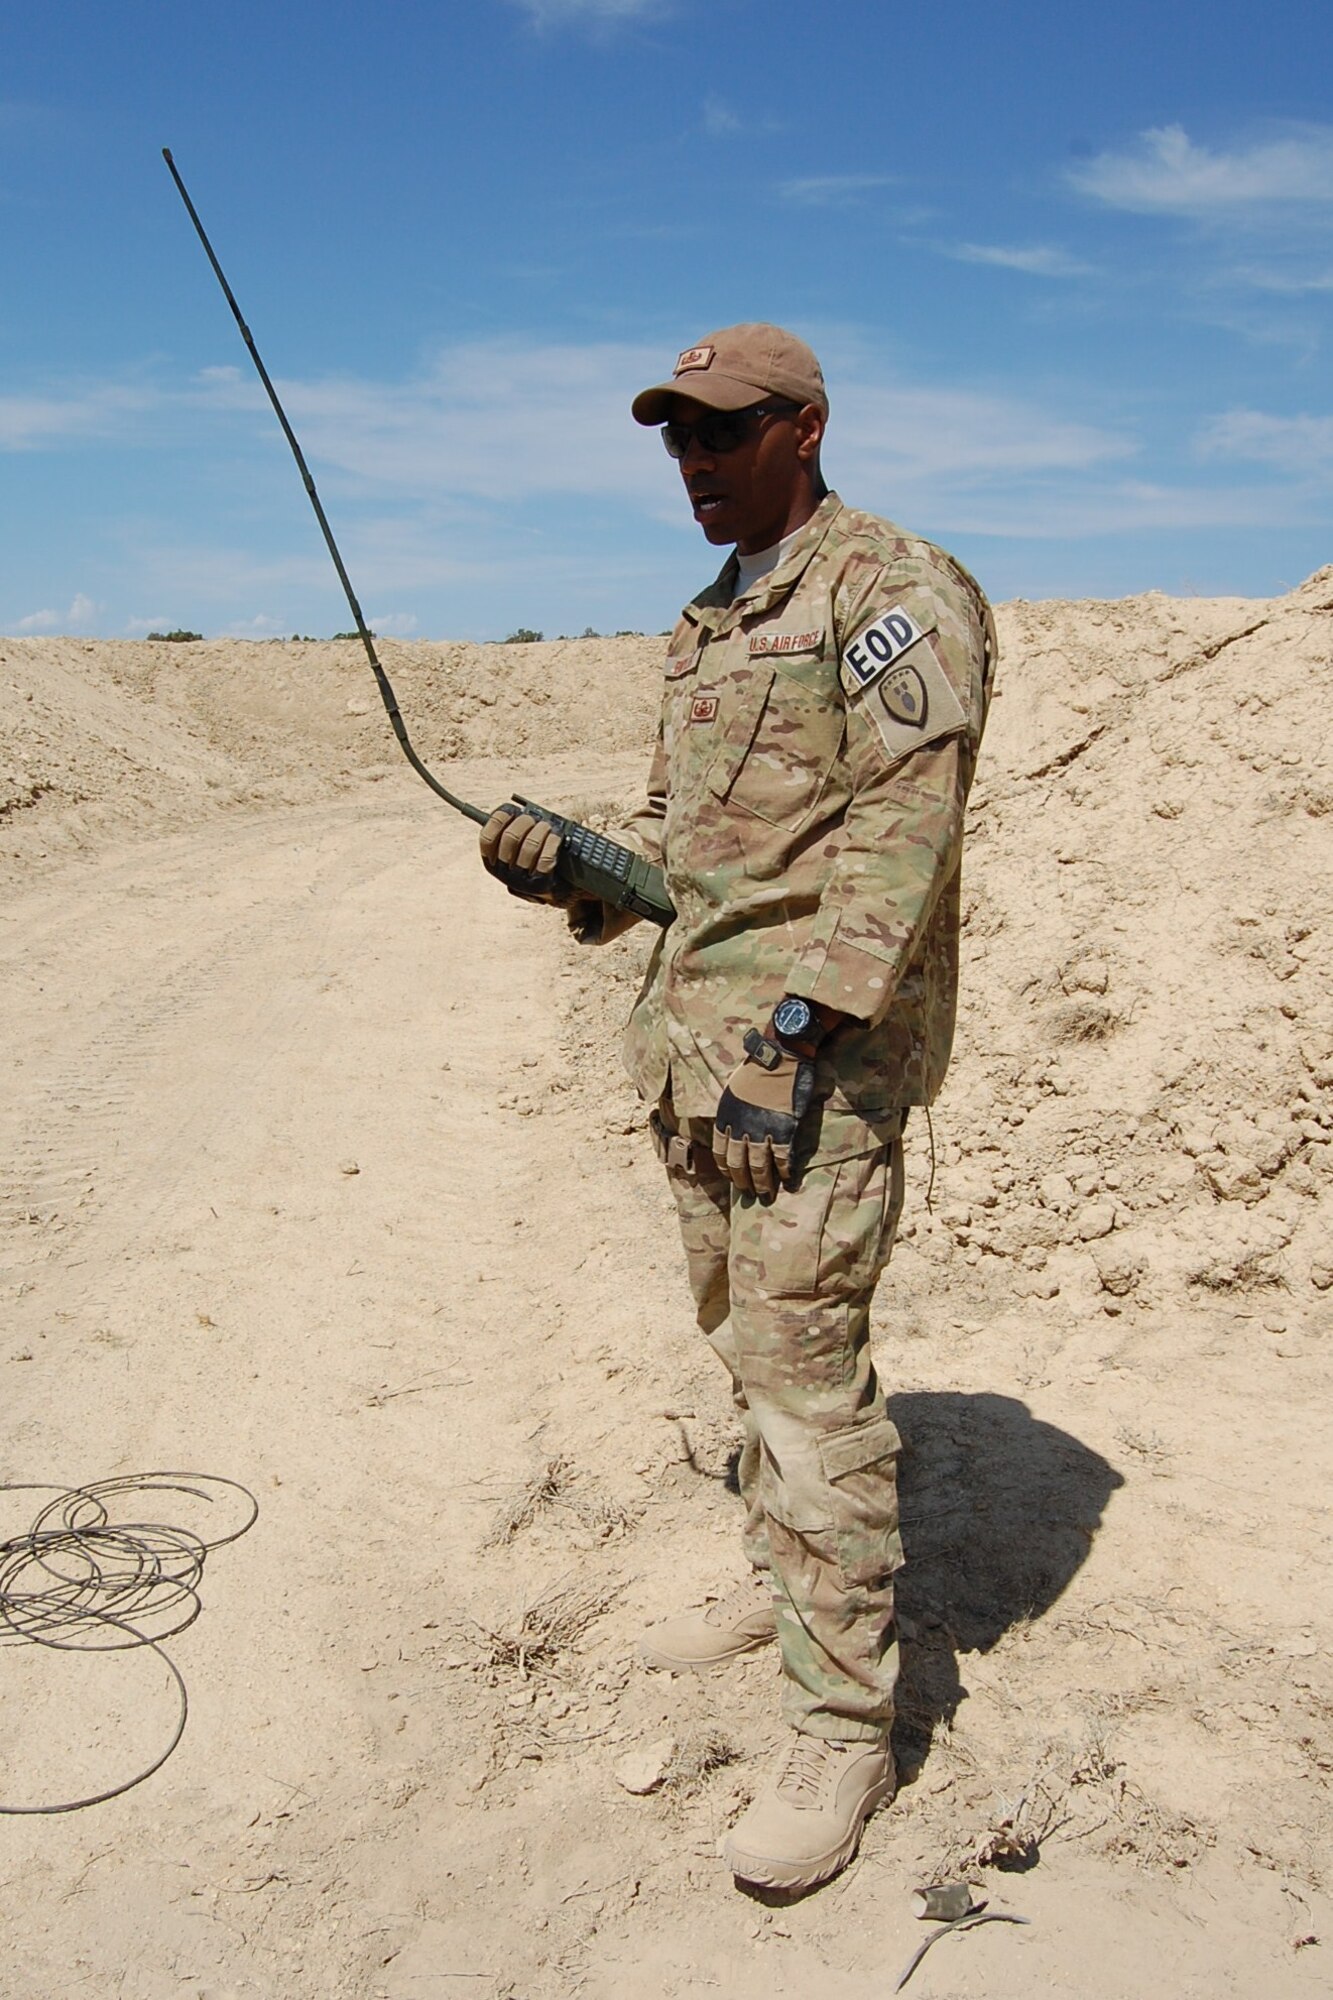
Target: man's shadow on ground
[(998, 1513)]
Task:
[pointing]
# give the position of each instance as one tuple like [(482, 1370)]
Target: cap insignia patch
[(693, 357)]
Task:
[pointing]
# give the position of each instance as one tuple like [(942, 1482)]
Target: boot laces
[(742, 1602), (802, 1776)]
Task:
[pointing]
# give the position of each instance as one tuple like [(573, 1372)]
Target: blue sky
[(1070, 271)]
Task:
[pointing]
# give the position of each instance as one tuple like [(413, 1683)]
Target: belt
[(675, 1153)]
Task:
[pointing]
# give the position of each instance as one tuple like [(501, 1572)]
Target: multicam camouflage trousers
[(783, 1293)]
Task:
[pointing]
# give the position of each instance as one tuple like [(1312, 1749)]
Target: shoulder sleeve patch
[(876, 647), (912, 702)]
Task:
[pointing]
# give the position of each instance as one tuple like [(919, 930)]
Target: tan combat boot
[(806, 1822), (726, 1626)]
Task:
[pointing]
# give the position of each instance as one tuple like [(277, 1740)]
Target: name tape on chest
[(785, 642)]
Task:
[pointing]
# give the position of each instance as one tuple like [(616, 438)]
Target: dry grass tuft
[(556, 1482), (520, 1508), (1014, 1833), (1154, 1837), (1250, 1273), (1082, 1021), (547, 1628), (700, 1752), (600, 1513), (1079, 1796)]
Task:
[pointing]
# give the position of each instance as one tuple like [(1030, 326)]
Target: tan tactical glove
[(521, 852), (754, 1127)]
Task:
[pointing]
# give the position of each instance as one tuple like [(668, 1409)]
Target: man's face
[(760, 491)]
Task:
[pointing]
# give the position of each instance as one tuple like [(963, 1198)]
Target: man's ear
[(809, 433)]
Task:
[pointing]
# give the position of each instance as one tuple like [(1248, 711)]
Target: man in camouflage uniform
[(823, 704)]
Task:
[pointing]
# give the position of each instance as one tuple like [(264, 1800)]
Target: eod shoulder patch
[(877, 646), (891, 669)]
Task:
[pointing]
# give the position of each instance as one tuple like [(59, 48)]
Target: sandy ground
[(317, 1171)]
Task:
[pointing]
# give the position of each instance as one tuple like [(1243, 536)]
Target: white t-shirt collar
[(750, 570)]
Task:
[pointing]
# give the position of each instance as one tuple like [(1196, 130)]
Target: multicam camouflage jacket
[(805, 801)]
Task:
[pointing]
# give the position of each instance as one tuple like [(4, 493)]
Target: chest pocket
[(780, 746)]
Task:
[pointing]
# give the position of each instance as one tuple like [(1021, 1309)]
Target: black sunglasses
[(721, 430)]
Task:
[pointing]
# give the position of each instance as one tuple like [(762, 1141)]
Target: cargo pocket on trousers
[(861, 1467)]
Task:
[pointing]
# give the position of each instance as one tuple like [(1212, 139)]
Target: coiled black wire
[(77, 1581)]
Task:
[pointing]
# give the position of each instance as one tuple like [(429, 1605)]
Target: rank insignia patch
[(703, 708)]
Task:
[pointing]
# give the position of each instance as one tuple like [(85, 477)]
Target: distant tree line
[(524, 636)]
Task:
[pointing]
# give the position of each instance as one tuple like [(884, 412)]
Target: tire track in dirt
[(69, 1134)]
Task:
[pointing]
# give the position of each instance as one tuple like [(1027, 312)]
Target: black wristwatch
[(795, 1026)]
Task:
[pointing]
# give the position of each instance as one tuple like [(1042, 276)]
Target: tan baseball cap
[(737, 366)]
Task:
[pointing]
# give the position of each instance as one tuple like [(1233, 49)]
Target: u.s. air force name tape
[(786, 642), (910, 700)]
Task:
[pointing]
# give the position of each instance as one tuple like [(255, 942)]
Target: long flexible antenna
[(387, 695)]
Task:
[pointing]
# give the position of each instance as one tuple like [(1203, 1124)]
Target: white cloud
[(1287, 284), (393, 624), (139, 628), (832, 190), (1130, 507), (503, 420), (720, 121), (940, 439), (507, 422), (95, 410), (1300, 445), (261, 626), (1167, 174), (82, 611), (187, 574), (1040, 260), (585, 13), (450, 483)]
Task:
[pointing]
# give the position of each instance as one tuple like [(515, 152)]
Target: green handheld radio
[(595, 866)]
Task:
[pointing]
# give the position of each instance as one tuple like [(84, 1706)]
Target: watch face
[(792, 1017)]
